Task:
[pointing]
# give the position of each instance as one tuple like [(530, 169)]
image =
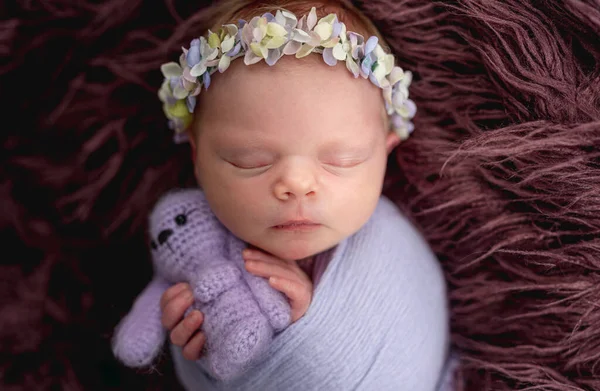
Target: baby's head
[(299, 141)]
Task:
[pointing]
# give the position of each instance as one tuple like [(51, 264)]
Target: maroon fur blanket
[(502, 176)]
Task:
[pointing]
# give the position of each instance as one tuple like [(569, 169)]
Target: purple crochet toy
[(242, 312)]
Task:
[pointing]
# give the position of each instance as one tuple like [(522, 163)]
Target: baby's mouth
[(297, 225)]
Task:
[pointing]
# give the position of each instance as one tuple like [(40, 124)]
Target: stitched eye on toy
[(180, 219), (153, 245)]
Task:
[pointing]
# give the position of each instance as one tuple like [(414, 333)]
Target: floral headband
[(270, 37)]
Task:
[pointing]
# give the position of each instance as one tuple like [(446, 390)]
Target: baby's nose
[(164, 235)]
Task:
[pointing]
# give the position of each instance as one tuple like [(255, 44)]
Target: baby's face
[(299, 141)]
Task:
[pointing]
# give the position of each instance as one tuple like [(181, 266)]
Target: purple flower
[(193, 54)]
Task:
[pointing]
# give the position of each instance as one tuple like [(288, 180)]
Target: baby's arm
[(139, 336)]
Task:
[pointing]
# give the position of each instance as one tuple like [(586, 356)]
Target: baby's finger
[(192, 349), (299, 295), (185, 329), (171, 293), (265, 269), (175, 308), (259, 255)]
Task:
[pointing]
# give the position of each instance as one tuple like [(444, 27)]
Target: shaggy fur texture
[(502, 176)]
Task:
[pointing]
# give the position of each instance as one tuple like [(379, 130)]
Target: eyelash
[(353, 163), (248, 168)]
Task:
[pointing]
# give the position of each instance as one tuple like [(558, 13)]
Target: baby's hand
[(184, 332), (286, 277)]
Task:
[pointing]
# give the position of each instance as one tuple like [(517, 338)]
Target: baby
[(291, 152)]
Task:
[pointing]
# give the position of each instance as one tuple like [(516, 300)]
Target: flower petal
[(324, 30), (256, 49), (366, 65), (328, 57), (251, 58), (191, 103), (188, 85), (212, 55), (302, 23), (408, 109), (290, 19), (311, 21), (193, 56), (329, 19), (224, 63), (196, 92), (379, 71), (400, 93), (178, 110), (387, 63), (232, 29), (395, 75), (227, 44), (315, 39), (213, 40), (291, 47), (330, 42), (304, 51), (352, 66), (371, 44), (275, 42), (338, 52), (300, 36), (206, 79), (235, 51), (198, 69), (186, 75), (179, 92), (171, 69), (275, 30), (408, 76), (337, 29), (387, 95), (280, 18), (273, 57)]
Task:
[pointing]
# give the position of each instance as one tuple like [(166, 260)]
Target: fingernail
[(191, 319), (250, 263)]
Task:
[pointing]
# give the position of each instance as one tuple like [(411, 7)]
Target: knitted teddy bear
[(242, 312)]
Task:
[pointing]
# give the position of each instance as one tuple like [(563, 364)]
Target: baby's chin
[(295, 250)]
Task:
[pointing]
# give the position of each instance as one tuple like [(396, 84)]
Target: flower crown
[(270, 37)]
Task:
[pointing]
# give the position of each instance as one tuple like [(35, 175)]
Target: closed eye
[(247, 166), (344, 163)]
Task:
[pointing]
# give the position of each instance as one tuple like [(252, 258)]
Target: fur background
[(502, 176)]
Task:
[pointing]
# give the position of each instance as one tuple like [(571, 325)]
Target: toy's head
[(175, 226)]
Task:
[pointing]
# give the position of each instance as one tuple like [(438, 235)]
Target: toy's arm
[(273, 303), (213, 278), (140, 335)]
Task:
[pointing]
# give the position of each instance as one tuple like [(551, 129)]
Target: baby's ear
[(391, 141)]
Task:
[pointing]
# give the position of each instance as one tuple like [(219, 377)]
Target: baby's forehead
[(298, 93)]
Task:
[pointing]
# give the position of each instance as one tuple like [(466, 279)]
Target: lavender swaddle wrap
[(378, 321)]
